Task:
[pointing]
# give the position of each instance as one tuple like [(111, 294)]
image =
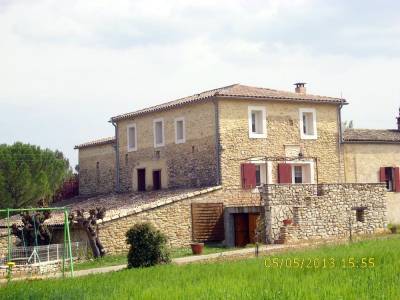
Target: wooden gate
[(208, 221)]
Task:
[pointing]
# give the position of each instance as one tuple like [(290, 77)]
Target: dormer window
[(257, 122), (308, 123)]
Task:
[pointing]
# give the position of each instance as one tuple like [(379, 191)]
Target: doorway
[(141, 175), (245, 228), (157, 180)]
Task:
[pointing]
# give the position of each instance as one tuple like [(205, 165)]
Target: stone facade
[(172, 217), (282, 130), (188, 164), (96, 169), (363, 162), (323, 211)]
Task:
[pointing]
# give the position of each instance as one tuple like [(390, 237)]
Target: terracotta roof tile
[(372, 135), (237, 91), (102, 141)]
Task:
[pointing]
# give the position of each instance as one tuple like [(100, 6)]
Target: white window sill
[(257, 135), (309, 137), (159, 145), (180, 142), (132, 149)]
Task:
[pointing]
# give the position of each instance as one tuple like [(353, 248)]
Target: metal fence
[(44, 254)]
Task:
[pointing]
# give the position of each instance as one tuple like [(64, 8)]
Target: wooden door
[(252, 227), (141, 175), (157, 180), (241, 229)]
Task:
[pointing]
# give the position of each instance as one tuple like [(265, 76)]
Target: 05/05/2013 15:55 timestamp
[(319, 263)]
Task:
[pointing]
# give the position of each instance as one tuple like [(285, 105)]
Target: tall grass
[(248, 279)]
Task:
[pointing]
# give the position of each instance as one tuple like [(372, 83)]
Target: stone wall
[(189, 164), (323, 211), (96, 169), (173, 219), (282, 130), (362, 164)]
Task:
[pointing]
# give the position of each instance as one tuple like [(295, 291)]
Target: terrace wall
[(323, 211)]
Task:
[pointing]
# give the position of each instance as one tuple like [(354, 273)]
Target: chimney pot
[(300, 87)]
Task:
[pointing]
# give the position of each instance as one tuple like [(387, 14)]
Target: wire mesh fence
[(45, 254)]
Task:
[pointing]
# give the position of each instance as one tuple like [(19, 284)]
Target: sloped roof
[(238, 91), (102, 141), (120, 205), (372, 135)]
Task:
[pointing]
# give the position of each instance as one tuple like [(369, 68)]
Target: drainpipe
[(340, 142), (116, 147), (217, 140)]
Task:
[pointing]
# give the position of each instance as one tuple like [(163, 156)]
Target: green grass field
[(248, 278), (121, 259)]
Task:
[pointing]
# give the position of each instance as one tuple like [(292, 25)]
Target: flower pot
[(287, 222), (197, 248)]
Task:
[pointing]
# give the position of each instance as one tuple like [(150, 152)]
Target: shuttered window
[(284, 173), (396, 179), (248, 174)]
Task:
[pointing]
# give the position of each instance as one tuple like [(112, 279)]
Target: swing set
[(34, 256)]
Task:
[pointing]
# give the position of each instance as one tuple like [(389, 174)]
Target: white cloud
[(67, 66)]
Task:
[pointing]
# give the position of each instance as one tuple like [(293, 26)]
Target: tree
[(89, 224), (29, 174), (33, 232), (147, 246)]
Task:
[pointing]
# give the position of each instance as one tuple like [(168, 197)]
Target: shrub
[(147, 246), (394, 228)]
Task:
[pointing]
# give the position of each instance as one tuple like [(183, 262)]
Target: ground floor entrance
[(241, 225)]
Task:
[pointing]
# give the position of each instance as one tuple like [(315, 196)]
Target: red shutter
[(248, 176), (382, 174), (285, 173), (396, 179)]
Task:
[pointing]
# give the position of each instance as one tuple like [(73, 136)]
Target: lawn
[(121, 259), (329, 276)]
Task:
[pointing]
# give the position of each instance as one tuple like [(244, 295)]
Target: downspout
[(116, 147), (341, 174), (217, 141)]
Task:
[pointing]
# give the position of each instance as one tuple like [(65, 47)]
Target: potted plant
[(197, 248), (287, 222)]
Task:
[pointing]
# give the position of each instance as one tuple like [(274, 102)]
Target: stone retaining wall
[(323, 211)]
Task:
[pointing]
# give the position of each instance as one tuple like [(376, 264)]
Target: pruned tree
[(89, 224), (33, 232)]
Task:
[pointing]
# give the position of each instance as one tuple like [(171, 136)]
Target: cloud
[(68, 66)]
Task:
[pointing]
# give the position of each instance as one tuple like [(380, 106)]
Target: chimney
[(300, 87), (398, 121)]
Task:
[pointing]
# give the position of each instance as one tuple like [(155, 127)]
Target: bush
[(147, 246), (394, 228)]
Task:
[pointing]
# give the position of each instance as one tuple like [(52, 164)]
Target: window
[(391, 177), (258, 175), (308, 123), (360, 215), (257, 122), (132, 137), (298, 174), (180, 134), (158, 128)]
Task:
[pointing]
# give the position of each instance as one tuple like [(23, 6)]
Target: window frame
[(129, 148), (304, 136), (155, 121), (263, 110), (183, 140), (265, 171)]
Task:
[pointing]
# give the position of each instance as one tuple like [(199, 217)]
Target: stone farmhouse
[(214, 151), (230, 164)]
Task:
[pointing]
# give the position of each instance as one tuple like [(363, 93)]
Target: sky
[(66, 67)]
